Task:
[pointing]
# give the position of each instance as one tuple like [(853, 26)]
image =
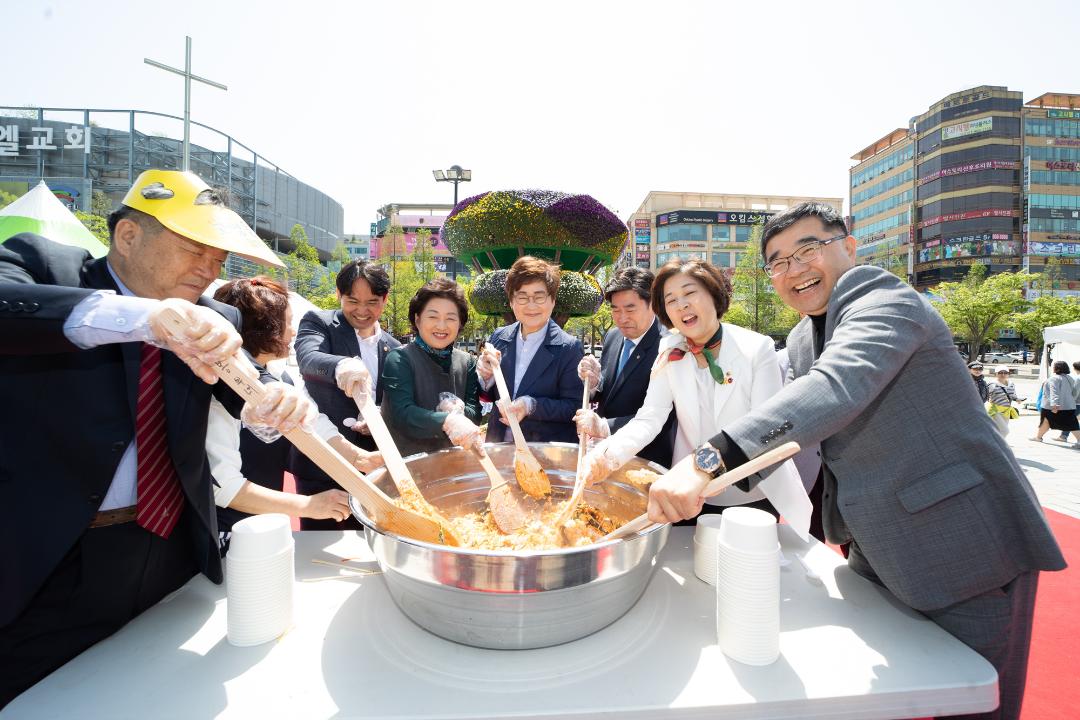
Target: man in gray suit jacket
[(932, 500)]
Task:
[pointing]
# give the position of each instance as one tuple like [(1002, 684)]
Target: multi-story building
[(882, 198), (394, 234), (979, 178), (702, 226), (1051, 177), (80, 151)]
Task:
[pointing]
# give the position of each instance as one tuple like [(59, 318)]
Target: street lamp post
[(455, 175)]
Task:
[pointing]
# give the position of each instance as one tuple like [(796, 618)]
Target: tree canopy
[(978, 307)]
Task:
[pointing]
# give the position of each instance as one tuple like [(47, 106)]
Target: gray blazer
[(914, 472)]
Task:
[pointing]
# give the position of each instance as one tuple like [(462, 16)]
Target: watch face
[(707, 459)]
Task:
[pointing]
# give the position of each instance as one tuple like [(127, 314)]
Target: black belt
[(115, 516)]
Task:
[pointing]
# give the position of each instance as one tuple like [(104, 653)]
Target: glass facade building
[(979, 178), (79, 151)]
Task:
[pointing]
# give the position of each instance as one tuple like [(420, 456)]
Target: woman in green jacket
[(417, 376)]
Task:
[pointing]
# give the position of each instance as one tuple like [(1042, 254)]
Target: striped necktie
[(160, 498)]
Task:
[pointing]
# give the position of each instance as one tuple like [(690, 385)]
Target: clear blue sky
[(363, 99)]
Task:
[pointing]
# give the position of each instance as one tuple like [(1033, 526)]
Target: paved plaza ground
[(1052, 467)]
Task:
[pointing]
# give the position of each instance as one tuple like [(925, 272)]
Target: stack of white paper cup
[(706, 539), (748, 586), (259, 576)]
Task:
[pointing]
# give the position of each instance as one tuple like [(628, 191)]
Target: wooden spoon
[(506, 508), (530, 475), (236, 373), (395, 464), (579, 477), (778, 454)]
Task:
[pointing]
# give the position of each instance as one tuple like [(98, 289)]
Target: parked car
[(1020, 356), (996, 357)]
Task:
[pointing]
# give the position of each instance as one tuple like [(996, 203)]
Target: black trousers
[(111, 575)]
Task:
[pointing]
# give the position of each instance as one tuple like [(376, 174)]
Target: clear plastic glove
[(676, 495), (450, 403), (357, 425), (591, 424), (352, 376), (363, 460), (282, 408), (519, 408), (487, 362), (589, 372), (598, 464), (327, 505), (461, 431), (207, 337)]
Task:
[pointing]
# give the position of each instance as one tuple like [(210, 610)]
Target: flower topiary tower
[(490, 231)]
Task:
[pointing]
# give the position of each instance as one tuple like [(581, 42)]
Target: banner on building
[(971, 127)]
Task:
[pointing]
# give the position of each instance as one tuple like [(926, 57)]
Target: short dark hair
[(375, 276), (1061, 367), (262, 303), (439, 288), (527, 269), (827, 214), (149, 224), (637, 279), (711, 277)]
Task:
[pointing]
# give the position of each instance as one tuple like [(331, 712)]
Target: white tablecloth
[(848, 650)]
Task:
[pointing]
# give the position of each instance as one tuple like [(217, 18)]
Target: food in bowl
[(477, 530)]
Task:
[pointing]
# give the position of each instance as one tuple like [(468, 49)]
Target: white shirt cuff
[(104, 317)]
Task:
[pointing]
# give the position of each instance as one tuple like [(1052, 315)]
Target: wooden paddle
[(395, 464), (530, 475), (389, 516), (579, 477), (778, 454), (506, 508)]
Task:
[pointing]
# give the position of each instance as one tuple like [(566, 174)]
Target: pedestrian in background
[(1058, 408), (1002, 398), (1075, 378), (976, 369)]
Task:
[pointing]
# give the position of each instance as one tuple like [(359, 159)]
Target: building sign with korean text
[(971, 127), (1064, 114), (969, 215), (1053, 248), (1062, 165), (965, 99), (1055, 213), (970, 168), (76, 137), (713, 217), (641, 223)]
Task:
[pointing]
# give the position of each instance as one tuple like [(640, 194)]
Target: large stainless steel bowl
[(513, 599)]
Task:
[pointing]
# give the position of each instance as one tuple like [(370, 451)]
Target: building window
[(742, 233), (721, 259), (681, 233)]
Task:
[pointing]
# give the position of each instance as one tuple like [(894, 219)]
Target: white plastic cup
[(707, 529), (748, 529), (748, 594), (260, 536), (705, 561)]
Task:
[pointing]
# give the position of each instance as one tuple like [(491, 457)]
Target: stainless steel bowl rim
[(375, 475)]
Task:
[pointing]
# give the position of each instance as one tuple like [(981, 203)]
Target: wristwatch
[(707, 460)]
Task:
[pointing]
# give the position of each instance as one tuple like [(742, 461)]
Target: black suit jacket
[(68, 415), (619, 398), (323, 339)]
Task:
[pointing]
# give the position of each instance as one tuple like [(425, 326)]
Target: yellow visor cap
[(183, 203)]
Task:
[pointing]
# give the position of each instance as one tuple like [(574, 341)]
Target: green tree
[(96, 224), (6, 199), (1046, 311), (978, 307), (755, 304), (1049, 280), (100, 204), (302, 264)]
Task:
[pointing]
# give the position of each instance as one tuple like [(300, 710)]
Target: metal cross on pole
[(188, 77)]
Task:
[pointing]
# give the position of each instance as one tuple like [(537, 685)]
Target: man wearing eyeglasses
[(932, 501)]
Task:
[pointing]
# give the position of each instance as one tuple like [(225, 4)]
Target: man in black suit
[(629, 352), (107, 497), (336, 350)]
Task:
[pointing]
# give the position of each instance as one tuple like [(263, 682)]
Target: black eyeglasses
[(804, 255)]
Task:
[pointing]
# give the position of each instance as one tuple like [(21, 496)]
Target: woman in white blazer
[(712, 373)]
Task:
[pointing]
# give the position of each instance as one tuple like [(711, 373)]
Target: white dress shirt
[(369, 353)]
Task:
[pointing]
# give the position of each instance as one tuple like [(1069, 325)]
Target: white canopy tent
[(1062, 343)]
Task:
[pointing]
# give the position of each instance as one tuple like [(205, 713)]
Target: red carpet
[(1053, 690)]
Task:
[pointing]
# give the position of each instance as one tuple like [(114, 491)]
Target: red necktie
[(160, 499)]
